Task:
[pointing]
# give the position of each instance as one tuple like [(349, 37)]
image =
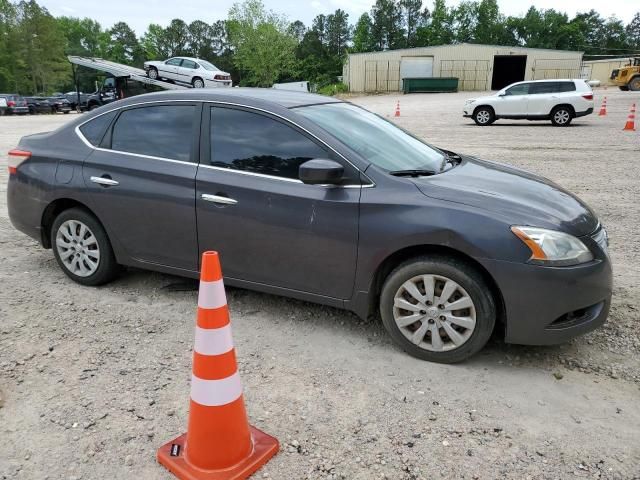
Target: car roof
[(248, 96), (551, 80)]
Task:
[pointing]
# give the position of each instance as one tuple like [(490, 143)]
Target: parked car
[(59, 104), (38, 105), (557, 100), (15, 104), (193, 71), (317, 199), (3, 106)]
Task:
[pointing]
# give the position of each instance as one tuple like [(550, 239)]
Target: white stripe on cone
[(213, 341), (211, 294), (215, 393)]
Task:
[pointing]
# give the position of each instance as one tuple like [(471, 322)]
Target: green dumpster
[(430, 84)]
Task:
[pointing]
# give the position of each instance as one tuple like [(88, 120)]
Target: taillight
[(16, 157), (221, 77), (588, 96)]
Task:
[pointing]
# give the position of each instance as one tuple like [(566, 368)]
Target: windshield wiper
[(412, 173)]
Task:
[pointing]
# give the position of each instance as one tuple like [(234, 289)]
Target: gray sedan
[(317, 199)]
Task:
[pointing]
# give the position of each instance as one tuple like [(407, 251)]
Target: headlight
[(552, 248)]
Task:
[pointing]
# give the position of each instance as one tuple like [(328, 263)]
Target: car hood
[(486, 98), (518, 196)]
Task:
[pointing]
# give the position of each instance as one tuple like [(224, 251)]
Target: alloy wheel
[(434, 313), (483, 117), (561, 117), (198, 83), (78, 248)]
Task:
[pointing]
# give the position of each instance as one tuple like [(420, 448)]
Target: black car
[(317, 199), (60, 104), (15, 104), (38, 105)]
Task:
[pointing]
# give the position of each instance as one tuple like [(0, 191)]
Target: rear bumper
[(18, 110), (588, 111), (218, 83), (546, 306)]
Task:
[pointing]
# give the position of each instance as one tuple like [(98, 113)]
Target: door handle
[(107, 182), (218, 199)]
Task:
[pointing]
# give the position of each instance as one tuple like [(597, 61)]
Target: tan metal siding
[(472, 64), (601, 70)]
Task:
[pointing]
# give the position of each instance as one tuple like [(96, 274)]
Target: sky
[(139, 15)]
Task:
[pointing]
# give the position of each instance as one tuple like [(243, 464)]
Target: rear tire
[(634, 84), (624, 88), (462, 332), (197, 82), (484, 116), (82, 248), (561, 116)]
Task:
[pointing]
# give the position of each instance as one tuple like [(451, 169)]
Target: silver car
[(193, 71)]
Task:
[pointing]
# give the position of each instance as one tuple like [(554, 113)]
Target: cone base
[(264, 448)]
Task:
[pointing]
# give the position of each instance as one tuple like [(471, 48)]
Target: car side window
[(252, 142), (188, 64), (563, 87), (543, 87), (174, 61), (95, 129), (164, 131), (522, 89)]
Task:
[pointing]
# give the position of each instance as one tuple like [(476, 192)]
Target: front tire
[(484, 116), (634, 84), (561, 116), (82, 248), (153, 73), (437, 308)]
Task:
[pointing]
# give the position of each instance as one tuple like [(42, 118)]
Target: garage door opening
[(507, 69)]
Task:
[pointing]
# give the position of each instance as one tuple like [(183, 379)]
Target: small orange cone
[(397, 114), (631, 119), (603, 108), (219, 443)]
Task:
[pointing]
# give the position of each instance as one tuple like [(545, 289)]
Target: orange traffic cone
[(603, 108), (397, 114), (219, 443), (631, 119)]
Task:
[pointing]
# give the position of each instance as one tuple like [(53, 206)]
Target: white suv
[(557, 100)]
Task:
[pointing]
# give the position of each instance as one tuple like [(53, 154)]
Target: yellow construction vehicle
[(628, 77)]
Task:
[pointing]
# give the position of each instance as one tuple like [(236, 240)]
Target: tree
[(413, 17), (439, 31), (387, 31), (319, 25), (85, 37), (263, 49), (297, 30), (124, 46), (338, 33), (176, 37), (200, 40), (362, 38), (633, 32)]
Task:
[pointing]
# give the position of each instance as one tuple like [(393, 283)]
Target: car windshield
[(208, 66), (379, 141)]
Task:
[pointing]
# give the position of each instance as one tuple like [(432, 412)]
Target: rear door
[(141, 181), (269, 227), (187, 70), (514, 101), (543, 96)]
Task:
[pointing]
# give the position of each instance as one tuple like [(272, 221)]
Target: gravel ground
[(93, 381)]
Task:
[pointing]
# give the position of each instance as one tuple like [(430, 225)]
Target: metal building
[(601, 69), (478, 67)]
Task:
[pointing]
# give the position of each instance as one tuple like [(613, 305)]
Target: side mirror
[(320, 172)]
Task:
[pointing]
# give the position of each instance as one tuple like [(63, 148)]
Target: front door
[(269, 227), (514, 100), (142, 183), (170, 69)]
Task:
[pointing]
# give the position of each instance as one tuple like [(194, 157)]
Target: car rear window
[(164, 131), (94, 129)]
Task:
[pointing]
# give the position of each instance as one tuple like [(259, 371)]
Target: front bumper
[(550, 305)]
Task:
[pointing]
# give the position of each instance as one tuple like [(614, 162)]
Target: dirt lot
[(95, 380)]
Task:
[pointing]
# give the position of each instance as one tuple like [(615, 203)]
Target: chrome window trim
[(372, 184)]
